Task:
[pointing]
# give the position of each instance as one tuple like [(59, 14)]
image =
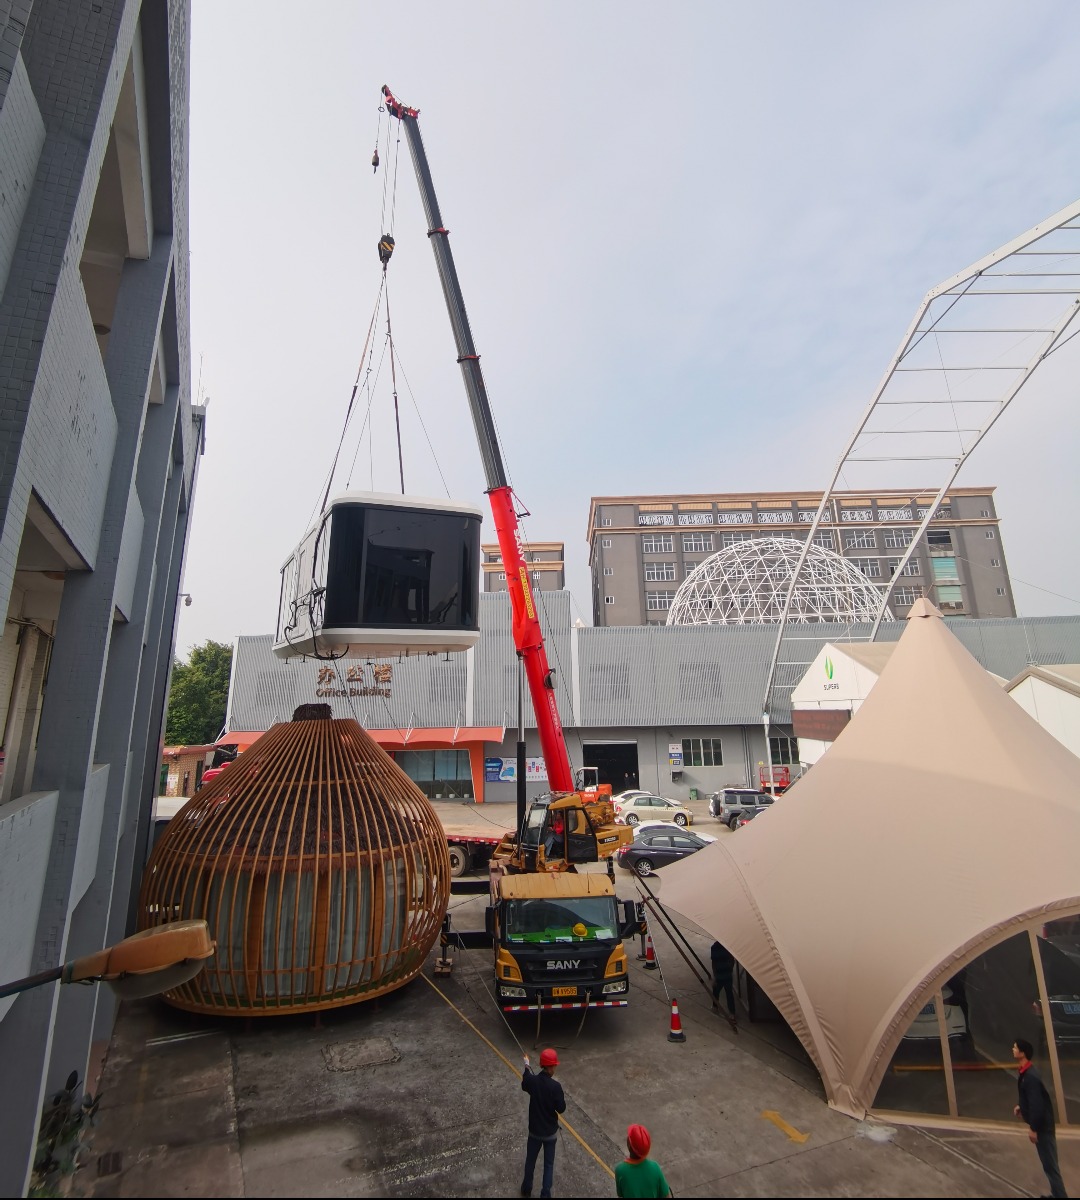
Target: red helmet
[(638, 1141), (548, 1058)]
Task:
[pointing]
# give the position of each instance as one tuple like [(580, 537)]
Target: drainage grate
[(110, 1164)]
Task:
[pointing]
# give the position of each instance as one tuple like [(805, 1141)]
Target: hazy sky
[(690, 239)]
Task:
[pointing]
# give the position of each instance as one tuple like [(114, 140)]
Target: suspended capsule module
[(382, 574)]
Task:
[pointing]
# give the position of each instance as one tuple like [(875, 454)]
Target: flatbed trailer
[(471, 851)]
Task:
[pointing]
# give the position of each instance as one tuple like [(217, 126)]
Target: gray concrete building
[(99, 445), (547, 567), (631, 699), (641, 548)]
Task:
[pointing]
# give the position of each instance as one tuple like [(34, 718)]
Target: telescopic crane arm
[(526, 625)]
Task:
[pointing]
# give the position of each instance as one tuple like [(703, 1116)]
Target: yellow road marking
[(783, 1126), (563, 1122)]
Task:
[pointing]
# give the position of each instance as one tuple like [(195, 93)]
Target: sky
[(690, 239)]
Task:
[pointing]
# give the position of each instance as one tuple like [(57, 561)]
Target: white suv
[(651, 808)]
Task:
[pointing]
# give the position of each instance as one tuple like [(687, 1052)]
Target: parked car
[(730, 804), (657, 845), (746, 817), (629, 794), (651, 808), (925, 1025), (1061, 970)]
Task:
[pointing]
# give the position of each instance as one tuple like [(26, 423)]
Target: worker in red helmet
[(546, 1101), (639, 1175)]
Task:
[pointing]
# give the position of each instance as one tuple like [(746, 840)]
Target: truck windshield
[(568, 919)]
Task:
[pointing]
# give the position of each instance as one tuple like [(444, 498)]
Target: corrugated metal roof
[(627, 676)]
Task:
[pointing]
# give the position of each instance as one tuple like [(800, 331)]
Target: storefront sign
[(504, 770), (674, 755), (342, 683)]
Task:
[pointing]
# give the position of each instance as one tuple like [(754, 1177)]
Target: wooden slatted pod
[(320, 867)]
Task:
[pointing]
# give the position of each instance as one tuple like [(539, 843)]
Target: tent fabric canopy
[(896, 860)]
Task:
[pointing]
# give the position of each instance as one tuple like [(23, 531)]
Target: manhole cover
[(369, 1052)]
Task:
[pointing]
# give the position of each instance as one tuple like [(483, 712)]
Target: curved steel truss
[(973, 345), (751, 583)]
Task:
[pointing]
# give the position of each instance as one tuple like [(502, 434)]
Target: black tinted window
[(399, 566)]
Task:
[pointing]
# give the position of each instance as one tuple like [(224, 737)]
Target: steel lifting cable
[(393, 384)]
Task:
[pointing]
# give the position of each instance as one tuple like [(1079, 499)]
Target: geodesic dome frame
[(748, 583)]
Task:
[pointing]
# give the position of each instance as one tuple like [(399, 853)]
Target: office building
[(546, 566), (641, 548), (100, 445)]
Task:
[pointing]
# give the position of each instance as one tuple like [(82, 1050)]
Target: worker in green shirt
[(639, 1175)]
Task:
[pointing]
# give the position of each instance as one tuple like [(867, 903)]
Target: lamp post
[(151, 961)]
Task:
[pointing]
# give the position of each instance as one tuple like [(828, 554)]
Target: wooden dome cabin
[(319, 866)]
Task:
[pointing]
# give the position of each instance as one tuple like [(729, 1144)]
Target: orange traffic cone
[(650, 954), (676, 1034)]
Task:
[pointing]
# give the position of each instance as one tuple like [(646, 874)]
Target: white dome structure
[(748, 583)]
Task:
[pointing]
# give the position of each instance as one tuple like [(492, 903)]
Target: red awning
[(464, 736), (240, 740)]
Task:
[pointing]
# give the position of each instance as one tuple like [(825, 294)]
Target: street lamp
[(148, 962)]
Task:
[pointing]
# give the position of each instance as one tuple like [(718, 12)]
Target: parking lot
[(418, 1094)]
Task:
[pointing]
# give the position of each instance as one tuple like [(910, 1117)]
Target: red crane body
[(528, 638)]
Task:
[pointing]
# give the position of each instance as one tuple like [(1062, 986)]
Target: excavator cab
[(563, 829)]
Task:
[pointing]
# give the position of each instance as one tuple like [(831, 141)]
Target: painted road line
[(784, 1127), (563, 1123)]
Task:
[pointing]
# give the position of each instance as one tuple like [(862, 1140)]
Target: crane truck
[(556, 932)]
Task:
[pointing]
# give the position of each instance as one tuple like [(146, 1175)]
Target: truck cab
[(558, 941)]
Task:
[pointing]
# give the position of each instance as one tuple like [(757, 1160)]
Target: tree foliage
[(198, 695)]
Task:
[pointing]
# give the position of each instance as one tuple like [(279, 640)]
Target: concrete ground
[(418, 1094)]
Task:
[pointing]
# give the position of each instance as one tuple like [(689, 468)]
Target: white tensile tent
[(942, 819)]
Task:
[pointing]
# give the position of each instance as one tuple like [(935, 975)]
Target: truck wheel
[(643, 866), (459, 861), (680, 820)]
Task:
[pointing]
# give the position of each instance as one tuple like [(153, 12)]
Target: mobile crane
[(556, 932)]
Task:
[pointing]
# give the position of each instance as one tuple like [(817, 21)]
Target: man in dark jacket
[(723, 967), (1037, 1112), (546, 1101)]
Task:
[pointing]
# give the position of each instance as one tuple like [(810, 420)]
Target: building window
[(783, 751), (949, 597), (605, 521), (870, 567), (502, 574), (729, 537), (656, 600), (911, 567), (985, 512), (697, 543), (898, 539), (536, 576), (861, 539), (659, 572), (702, 752), (824, 538), (939, 537), (437, 773), (995, 562), (609, 570), (691, 567), (1001, 591), (605, 543), (658, 543), (990, 535), (906, 595), (944, 568), (609, 599)]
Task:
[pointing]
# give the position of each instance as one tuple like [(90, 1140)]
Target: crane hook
[(375, 161), (386, 248)]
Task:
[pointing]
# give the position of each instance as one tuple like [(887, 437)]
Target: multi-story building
[(641, 548), (547, 567), (99, 445)]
